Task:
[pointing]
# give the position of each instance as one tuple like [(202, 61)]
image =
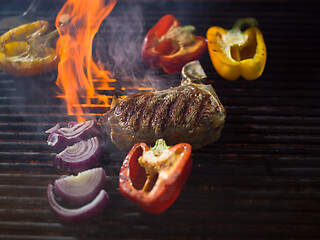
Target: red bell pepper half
[(153, 178), (170, 46)]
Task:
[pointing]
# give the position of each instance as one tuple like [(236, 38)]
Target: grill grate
[(260, 180)]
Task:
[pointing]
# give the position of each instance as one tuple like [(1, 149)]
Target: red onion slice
[(81, 214), (71, 124), (75, 132), (82, 188), (50, 130), (81, 156)]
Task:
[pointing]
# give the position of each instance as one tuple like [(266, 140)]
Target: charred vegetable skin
[(234, 53), (25, 51), (170, 46), (153, 178)]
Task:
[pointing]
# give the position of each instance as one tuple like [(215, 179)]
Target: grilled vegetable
[(153, 178), (25, 50), (60, 138), (170, 46), (82, 188), (235, 53), (81, 214), (81, 156), (50, 130)]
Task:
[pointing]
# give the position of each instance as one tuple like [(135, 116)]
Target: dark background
[(260, 180)]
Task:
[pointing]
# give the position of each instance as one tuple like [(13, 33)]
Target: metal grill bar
[(260, 180)]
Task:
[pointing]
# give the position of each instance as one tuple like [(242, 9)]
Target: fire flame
[(78, 22)]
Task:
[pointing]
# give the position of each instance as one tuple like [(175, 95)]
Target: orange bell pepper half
[(234, 53), (25, 50), (170, 46), (153, 178)]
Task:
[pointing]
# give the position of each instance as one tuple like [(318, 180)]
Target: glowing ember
[(77, 71)]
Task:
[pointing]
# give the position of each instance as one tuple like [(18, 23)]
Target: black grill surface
[(260, 180)]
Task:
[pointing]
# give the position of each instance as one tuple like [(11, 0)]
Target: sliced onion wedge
[(82, 188), (79, 157), (60, 138), (56, 127), (81, 214)]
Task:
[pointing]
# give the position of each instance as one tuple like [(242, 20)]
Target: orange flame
[(77, 71)]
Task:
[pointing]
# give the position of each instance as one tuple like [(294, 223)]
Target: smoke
[(118, 48), (118, 44), (125, 39)]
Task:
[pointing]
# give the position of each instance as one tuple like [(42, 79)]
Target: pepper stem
[(51, 35), (251, 22), (55, 33), (159, 147)]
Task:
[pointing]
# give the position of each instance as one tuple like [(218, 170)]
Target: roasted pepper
[(235, 53), (153, 178), (25, 50), (170, 46)]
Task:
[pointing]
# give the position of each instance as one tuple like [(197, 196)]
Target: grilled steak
[(189, 113)]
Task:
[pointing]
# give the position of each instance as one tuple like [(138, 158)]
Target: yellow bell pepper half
[(234, 53), (26, 50)]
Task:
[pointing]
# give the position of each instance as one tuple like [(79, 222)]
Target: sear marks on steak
[(189, 113)]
